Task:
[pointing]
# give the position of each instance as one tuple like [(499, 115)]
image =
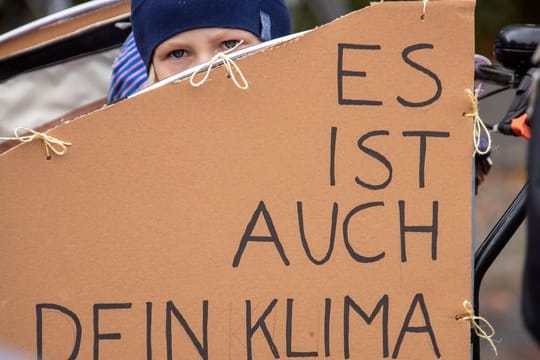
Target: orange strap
[(519, 127)]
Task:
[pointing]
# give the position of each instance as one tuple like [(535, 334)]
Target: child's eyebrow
[(226, 33), (173, 44)]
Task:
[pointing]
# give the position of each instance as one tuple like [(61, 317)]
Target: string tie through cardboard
[(50, 143), (424, 6), (480, 128), (231, 67), (476, 322)]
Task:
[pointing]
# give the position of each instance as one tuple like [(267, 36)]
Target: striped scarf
[(128, 72)]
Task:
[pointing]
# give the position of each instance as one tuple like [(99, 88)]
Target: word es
[(341, 73)]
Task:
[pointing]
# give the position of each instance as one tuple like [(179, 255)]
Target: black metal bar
[(492, 246), (94, 40)]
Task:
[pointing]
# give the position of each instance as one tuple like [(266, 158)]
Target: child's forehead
[(208, 34)]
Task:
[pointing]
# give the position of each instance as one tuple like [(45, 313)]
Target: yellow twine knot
[(230, 66), (475, 324), (479, 126), (57, 146), (424, 9)]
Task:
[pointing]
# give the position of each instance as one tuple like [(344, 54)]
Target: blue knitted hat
[(154, 21)]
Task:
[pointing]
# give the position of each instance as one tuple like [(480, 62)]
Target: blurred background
[(500, 294), (490, 14)]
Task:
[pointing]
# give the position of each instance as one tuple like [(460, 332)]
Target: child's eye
[(229, 44), (178, 54)]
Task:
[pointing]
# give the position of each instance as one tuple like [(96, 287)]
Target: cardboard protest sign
[(325, 212)]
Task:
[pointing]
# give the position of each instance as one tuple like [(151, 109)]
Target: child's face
[(195, 47)]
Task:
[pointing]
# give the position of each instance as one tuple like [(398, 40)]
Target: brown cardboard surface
[(47, 34), (137, 232), (86, 109)]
